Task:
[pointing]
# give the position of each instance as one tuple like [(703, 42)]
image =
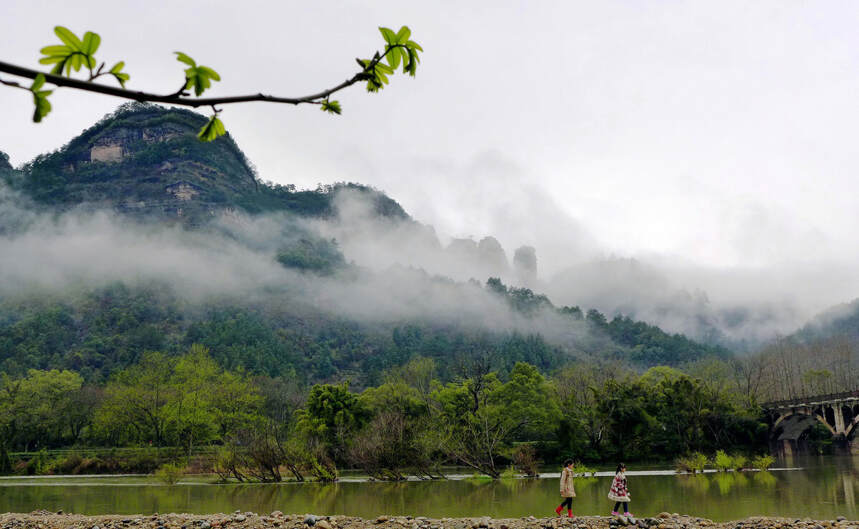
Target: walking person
[(568, 492), (619, 492)]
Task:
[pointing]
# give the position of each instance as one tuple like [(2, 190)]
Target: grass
[(583, 470), (693, 463), (763, 462), (170, 473)]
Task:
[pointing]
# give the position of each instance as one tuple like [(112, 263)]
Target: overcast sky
[(715, 133)]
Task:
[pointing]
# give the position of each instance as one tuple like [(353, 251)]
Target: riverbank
[(278, 520)]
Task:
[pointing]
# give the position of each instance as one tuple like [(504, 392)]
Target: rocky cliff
[(145, 161)]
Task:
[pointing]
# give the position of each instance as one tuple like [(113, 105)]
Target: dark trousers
[(568, 502), (618, 504)]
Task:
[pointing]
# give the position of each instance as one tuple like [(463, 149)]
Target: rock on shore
[(278, 520)]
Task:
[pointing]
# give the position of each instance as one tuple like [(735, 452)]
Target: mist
[(743, 305), (233, 260), (403, 269)]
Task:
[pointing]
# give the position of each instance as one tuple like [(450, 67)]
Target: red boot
[(570, 513), (558, 510)]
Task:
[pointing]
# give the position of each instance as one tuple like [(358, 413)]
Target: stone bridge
[(790, 420)]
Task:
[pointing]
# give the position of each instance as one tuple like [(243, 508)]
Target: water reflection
[(824, 489), (730, 480), (764, 479)]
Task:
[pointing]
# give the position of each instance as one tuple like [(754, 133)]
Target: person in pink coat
[(619, 492)]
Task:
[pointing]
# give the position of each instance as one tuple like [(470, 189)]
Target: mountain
[(840, 321), (136, 236), (145, 161)]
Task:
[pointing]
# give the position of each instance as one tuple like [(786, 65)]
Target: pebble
[(277, 520)]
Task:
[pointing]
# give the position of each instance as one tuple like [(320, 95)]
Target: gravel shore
[(278, 520)]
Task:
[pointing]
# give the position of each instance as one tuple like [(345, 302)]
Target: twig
[(179, 98)]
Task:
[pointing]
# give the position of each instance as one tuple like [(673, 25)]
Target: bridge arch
[(804, 413)]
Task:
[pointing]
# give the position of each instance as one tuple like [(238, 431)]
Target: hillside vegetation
[(135, 249)]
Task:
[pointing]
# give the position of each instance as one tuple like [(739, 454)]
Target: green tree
[(331, 416), (35, 409), (479, 417), (137, 403)]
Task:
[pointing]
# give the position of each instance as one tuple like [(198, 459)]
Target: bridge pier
[(792, 419)]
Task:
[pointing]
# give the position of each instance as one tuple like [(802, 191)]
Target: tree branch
[(177, 98), (13, 84)]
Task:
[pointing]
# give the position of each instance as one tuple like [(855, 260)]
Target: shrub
[(66, 465), (170, 473), (525, 461), (509, 473), (740, 461), (695, 462), (723, 461), (38, 464), (580, 469), (323, 469), (763, 462)]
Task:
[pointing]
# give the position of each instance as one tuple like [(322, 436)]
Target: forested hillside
[(144, 167), (137, 261)]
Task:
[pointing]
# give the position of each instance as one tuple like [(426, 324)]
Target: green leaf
[(69, 38), (332, 107), (120, 76), (38, 82), (181, 57), (414, 45), (212, 129), (52, 59), (73, 54), (388, 35), (43, 106), (40, 98), (403, 35), (58, 69), (91, 43), (56, 50), (197, 77), (394, 57), (209, 72), (412, 66)]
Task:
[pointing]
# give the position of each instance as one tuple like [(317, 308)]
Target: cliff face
[(145, 161)]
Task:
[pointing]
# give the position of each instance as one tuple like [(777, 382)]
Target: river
[(816, 487)]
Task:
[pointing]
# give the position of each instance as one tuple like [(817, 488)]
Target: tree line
[(100, 331), (411, 423)]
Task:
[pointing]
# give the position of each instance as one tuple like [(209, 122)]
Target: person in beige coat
[(568, 492)]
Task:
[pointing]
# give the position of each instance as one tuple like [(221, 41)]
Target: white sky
[(717, 133)]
